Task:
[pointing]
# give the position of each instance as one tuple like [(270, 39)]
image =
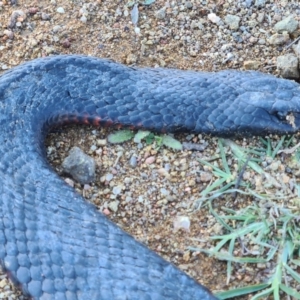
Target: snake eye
[(281, 115)]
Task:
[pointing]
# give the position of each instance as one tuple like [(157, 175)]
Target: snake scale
[(54, 244)]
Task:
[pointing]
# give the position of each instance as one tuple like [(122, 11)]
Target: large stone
[(288, 24)]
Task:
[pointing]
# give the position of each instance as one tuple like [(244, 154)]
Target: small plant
[(225, 179), (126, 135), (250, 158)]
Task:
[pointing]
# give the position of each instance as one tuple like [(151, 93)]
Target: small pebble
[(60, 10)]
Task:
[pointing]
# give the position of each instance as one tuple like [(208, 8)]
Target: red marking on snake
[(85, 120), (96, 121)]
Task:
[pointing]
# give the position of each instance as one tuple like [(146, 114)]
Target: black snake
[(52, 242)]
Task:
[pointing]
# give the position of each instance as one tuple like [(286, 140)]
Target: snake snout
[(289, 118), (281, 115), (286, 111)]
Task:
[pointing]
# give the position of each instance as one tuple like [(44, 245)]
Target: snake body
[(53, 243)]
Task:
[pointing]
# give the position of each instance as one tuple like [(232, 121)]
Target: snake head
[(286, 110), (273, 103)]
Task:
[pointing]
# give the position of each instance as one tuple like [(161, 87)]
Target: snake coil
[(52, 242)]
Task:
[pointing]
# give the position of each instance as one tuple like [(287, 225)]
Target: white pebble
[(213, 18), (60, 10), (109, 177), (83, 19), (137, 30)]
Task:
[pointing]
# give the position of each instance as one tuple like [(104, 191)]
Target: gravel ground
[(147, 199)]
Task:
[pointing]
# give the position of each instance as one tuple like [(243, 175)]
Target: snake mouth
[(290, 119), (294, 119)]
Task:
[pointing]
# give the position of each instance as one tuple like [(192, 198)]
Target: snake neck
[(59, 90)]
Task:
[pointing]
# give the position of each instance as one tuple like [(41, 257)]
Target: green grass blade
[(278, 147), (229, 264), (294, 274), (291, 292), (223, 156), (240, 153), (213, 186), (242, 291), (296, 262), (219, 219), (263, 295), (272, 252)]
